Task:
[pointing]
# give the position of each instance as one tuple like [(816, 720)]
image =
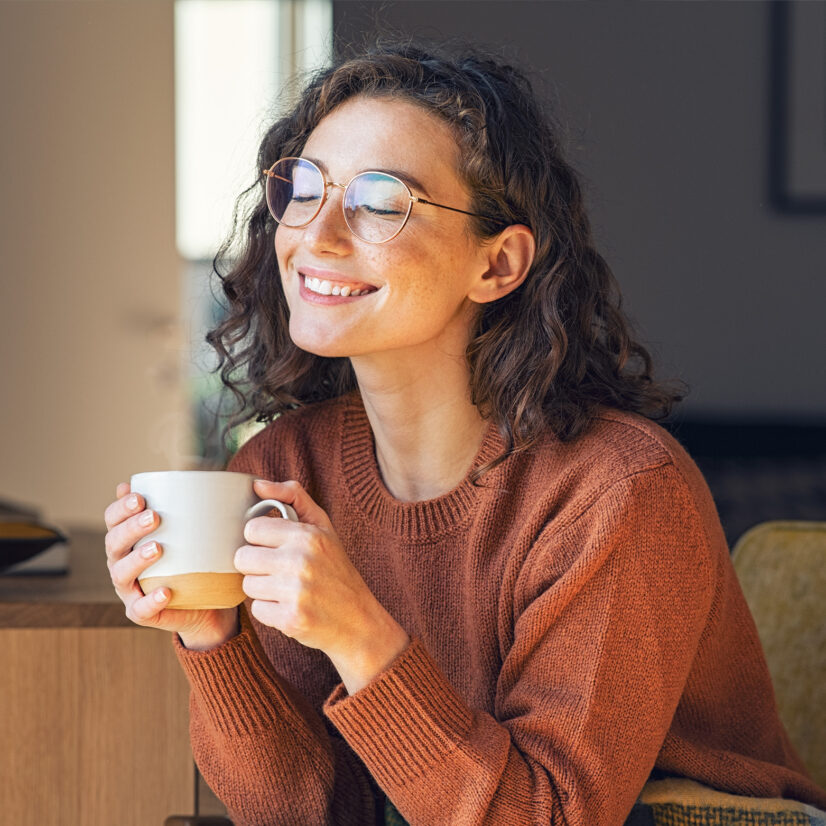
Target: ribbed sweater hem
[(405, 721), (237, 687)]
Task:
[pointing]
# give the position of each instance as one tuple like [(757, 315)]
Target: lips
[(326, 282), (325, 287)]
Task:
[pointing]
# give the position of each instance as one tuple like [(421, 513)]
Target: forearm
[(262, 747), (270, 778)]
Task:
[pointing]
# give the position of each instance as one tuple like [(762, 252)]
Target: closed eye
[(378, 211)]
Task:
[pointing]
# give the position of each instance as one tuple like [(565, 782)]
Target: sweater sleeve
[(600, 628), (262, 746)]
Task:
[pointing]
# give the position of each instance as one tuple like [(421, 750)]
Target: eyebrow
[(398, 173)]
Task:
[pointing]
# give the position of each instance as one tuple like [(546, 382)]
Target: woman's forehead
[(369, 133)]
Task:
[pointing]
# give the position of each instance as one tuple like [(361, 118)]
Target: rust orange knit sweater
[(576, 625)]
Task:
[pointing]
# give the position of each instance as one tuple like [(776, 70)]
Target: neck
[(426, 429)]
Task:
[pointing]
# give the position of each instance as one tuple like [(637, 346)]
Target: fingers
[(256, 561), (128, 523), (272, 532), (285, 618), (124, 506), (123, 536), (293, 494), (126, 570), (145, 610)]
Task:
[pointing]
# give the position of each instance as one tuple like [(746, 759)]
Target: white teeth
[(325, 287)]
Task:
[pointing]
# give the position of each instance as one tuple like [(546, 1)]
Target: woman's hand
[(128, 522), (302, 583)]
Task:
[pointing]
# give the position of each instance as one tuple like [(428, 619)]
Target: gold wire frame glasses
[(376, 205)]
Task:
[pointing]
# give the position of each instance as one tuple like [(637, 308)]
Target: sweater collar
[(408, 520)]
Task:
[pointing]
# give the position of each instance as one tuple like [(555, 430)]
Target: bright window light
[(232, 58)]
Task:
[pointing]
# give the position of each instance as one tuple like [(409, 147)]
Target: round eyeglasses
[(376, 205)]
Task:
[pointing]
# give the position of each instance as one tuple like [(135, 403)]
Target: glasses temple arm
[(271, 174), (444, 206)]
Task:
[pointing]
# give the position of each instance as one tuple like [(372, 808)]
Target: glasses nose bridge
[(324, 199), (327, 185)]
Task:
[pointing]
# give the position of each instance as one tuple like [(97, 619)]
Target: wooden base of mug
[(200, 591)]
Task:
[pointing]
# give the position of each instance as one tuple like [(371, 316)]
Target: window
[(234, 60)]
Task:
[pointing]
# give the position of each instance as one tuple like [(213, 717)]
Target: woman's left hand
[(302, 582)]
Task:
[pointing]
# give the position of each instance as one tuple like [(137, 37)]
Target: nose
[(328, 231)]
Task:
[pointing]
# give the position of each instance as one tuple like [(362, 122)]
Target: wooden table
[(93, 709)]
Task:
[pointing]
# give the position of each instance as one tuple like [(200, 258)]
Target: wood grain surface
[(94, 727)]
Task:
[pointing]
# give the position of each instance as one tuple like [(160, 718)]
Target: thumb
[(291, 493)]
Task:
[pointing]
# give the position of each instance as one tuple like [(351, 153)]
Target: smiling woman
[(508, 598)]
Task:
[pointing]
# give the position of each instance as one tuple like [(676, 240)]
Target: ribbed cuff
[(238, 689), (404, 721)]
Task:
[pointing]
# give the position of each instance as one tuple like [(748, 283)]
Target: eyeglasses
[(376, 205)]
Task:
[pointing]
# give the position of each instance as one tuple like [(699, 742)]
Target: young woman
[(508, 599)]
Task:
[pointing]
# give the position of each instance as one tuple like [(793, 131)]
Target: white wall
[(90, 334)]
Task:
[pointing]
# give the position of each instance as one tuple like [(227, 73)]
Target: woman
[(508, 598)]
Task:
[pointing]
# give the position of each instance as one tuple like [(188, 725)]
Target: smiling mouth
[(322, 286)]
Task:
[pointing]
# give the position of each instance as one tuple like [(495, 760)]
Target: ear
[(508, 257)]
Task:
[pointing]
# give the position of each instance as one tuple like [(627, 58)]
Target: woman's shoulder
[(634, 441), (639, 442), (616, 447)]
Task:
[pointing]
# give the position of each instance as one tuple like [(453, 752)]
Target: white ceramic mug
[(202, 518)]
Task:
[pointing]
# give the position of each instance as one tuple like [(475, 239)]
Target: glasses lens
[(376, 206), (295, 188)]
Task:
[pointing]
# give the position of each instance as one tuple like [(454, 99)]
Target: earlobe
[(509, 256)]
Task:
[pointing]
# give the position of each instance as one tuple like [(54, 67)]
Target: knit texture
[(575, 621)]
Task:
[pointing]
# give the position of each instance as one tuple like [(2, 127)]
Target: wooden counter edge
[(63, 615)]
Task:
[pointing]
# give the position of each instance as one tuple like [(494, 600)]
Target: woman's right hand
[(128, 522)]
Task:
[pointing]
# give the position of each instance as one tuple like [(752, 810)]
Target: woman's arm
[(262, 747), (596, 664)]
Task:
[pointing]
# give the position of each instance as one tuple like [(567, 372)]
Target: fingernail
[(132, 503), (150, 550), (147, 518), (160, 595)]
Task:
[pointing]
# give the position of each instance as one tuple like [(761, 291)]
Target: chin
[(319, 344)]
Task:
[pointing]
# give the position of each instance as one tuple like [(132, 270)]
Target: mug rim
[(190, 472)]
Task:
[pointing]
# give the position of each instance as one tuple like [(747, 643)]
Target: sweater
[(576, 627)]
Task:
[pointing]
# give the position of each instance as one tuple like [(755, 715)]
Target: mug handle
[(266, 505)]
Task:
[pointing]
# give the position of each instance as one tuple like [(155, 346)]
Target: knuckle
[(305, 571), (140, 614), (314, 541), (301, 618), (242, 557), (251, 530), (122, 577), (110, 543)]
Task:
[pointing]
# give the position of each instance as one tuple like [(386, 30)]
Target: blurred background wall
[(90, 310), (667, 111)]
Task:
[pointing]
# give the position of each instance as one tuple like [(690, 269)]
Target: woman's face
[(416, 285)]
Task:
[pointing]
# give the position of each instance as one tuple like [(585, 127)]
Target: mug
[(202, 518)]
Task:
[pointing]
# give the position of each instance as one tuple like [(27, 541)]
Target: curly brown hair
[(545, 356)]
